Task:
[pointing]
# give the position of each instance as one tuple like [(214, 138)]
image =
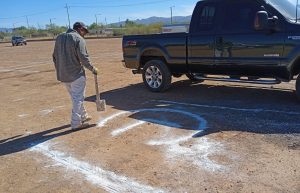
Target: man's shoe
[(80, 126), (86, 119)]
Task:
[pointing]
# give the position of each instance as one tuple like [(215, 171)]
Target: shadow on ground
[(272, 110), (19, 143)]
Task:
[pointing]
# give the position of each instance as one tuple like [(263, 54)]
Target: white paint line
[(20, 67), (46, 112), (197, 153), (16, 100), (23, 115), (59, 107), (124, 129), (104, 121), (107, 180), (163, 122), (201, 126), (28, 71), (229, 108), (6, 70)]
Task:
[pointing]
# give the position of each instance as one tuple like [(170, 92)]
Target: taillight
[(131, 43)]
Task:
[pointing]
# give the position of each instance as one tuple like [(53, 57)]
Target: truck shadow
[(225, 106)]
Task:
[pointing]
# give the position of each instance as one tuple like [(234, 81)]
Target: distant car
[(18, 41)]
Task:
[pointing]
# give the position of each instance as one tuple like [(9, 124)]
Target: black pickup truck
[(250, 41)]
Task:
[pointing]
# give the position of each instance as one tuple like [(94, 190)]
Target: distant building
[(176, 28)]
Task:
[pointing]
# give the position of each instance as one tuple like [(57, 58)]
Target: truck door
[(201, 37), (242, 50)]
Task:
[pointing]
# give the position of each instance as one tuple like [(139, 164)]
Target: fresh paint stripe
[(202, 122), (23, 115), (104, 121), (124, 129), (228, 108), (198, 153), (19, 67), (46, 112), (107, 180)]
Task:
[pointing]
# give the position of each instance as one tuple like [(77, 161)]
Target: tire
[(156, 76), (193, 77), (298, 87)]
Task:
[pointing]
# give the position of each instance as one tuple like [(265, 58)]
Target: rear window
[(203, 18)]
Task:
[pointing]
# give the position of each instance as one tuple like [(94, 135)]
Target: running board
[(275, 81)]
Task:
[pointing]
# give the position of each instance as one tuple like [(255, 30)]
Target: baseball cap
[(79, 25)]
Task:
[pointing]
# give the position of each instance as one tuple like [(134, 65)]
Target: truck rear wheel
[(298, 87), (156, 76)]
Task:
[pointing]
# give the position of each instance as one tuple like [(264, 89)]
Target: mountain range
[(150, 20), (147, 21), (6, 30)]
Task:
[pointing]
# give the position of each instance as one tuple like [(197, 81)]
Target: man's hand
[(95, 71)]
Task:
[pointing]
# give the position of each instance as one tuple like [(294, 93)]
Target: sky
[(39, 12)]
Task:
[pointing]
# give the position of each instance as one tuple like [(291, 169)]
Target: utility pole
[(51, 27), (297, 11), (171, 8), (51, 22), (97, 27), (67, 7), (27, 21)]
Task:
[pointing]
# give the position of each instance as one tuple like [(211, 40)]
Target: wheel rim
[(153, 77)]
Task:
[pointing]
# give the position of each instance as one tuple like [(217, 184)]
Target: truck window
[(240, 16), (203, 18)]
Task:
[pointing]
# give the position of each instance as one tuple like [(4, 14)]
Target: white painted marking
[(16, 100), (228, 108), (21, 68), (201, 126), (124, 129), (176, 149), (107, 180), (23, 115), (104, 121), (198, 153), (46, 112), (59, 107)]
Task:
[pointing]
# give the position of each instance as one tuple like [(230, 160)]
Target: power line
[(32, 14), (123, 5)]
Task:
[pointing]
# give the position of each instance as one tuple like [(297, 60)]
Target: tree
[(2, 35)]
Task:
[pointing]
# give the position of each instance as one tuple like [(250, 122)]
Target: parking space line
[(228, 108), (107, 180)]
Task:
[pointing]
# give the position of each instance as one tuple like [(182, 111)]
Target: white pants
[(76, 90)]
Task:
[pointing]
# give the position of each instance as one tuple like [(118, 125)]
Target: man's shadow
[(18, 143)]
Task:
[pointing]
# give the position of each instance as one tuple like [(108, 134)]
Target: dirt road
[(208, 137)]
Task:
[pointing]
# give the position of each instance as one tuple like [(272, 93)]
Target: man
[(70, 57)]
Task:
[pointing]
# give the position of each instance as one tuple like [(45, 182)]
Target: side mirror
[(261, 20)]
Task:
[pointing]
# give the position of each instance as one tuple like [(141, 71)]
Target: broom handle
[(97, 88)]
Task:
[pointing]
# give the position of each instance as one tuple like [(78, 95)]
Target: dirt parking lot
[(208, 137)]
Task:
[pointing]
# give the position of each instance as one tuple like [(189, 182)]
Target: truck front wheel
[(156, 76), (298, 87)]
